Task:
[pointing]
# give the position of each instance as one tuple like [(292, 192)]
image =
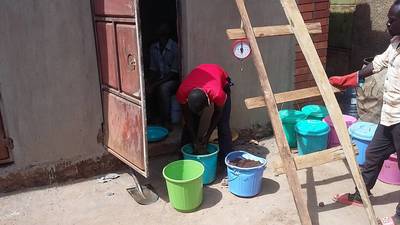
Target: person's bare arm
[(366, 71), (188, 118), (213, 124)]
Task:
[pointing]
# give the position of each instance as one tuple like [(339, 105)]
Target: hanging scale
[(241, 50)]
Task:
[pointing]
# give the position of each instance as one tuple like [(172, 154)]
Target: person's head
[(163, 31), (198, 101), (393, 23)]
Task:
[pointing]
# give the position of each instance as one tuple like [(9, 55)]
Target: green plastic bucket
[(289, 118), (184, 180)]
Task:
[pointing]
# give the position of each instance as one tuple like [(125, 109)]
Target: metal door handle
[(131, 62)]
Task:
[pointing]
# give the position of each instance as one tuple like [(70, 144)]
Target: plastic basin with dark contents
[(209, 160), (245, 172)]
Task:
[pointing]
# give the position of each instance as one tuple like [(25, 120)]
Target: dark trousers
[(224, 130), (385, 142), (160, 101), (164, 93)]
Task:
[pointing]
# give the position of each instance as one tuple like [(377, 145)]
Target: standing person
[(386, 140), (205, 85), (163, 79)]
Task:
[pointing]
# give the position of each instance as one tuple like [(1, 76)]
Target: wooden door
[(121, 77)]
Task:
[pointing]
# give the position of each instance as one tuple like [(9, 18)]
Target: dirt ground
[(87, 202)]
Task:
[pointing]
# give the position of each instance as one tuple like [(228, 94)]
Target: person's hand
[(344, 82)]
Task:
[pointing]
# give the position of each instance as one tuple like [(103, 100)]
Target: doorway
[(157, 20)]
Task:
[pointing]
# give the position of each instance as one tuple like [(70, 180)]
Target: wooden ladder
[(291, 163)]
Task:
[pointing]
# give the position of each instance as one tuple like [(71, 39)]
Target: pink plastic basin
[(390, 172), (333, 138)]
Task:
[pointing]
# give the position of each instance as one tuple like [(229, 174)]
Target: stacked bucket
[(310, 130), (362, 134)]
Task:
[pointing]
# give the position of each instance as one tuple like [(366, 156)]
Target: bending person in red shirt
[(205, 85)]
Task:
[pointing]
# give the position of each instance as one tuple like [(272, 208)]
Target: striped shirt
[(165, 61)]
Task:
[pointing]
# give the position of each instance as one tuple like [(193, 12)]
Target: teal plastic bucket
[(244, 182), (289, 118), (312, 136), (315, 112), (209, 161), (362, 134)]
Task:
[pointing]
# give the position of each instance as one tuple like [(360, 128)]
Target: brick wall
[(312, 11)]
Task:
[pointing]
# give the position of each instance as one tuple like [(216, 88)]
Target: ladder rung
[(257, 102), (313, 159), (268, 31)]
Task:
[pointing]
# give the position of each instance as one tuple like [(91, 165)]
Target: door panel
[(123, 129), (128, 58), (114, 7), (107, 54), (119, 60)]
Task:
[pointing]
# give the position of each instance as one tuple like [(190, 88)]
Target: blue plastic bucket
[(244, 182), (312, 136), (209, 161), (289, 118), (362, 134), (315, 112), (348, 102)]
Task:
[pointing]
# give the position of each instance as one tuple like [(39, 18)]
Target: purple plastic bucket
[(390, 172), (333, 138)]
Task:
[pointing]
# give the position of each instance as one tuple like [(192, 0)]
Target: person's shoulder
[(172, 41), (172, 44)]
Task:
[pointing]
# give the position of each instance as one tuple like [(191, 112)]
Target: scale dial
[(241, 49)]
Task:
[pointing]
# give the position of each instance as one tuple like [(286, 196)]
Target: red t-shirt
[(211, 78)]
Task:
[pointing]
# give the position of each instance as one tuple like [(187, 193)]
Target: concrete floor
[(87, 202)]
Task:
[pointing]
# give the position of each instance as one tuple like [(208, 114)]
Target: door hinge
[(100, 135)]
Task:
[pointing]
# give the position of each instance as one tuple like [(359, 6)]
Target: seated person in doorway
[(205, 85), (163, 79)]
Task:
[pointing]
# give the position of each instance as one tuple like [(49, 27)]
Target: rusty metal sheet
[(123, 129), (128, 59), (107, 54), (114, 7)]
